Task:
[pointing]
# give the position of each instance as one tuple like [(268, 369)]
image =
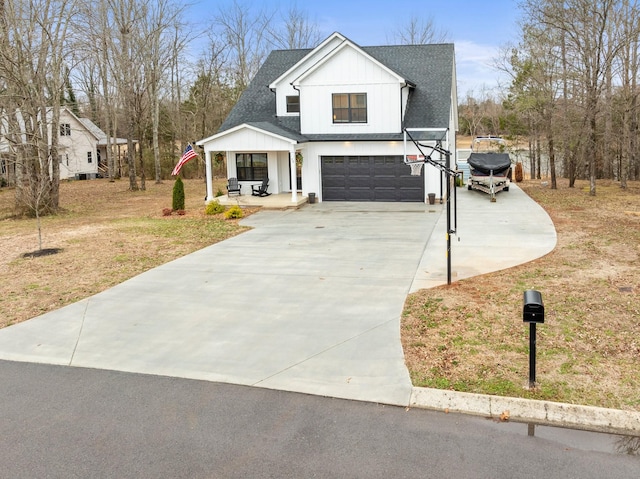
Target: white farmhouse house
[(330, 121), (81, 148)]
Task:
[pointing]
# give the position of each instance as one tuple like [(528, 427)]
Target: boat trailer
[(490, 184)]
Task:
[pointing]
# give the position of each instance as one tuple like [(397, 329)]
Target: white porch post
[(207, 167), (294, 183)]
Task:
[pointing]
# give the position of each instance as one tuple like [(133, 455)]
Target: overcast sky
[(478, 29)]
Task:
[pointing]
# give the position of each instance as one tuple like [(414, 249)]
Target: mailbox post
[(532, 313)]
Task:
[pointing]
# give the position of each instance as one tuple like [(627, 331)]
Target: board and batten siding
[(350, 72), (255, 141), (74, 148)]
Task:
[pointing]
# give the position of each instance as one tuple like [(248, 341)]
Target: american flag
[(188, 155)]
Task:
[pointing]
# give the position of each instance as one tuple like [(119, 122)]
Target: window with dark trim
[(89, 157), (293, 104), (251, 166), (349, 107), (65, 129)]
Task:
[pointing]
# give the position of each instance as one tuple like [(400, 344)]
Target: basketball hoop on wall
[(415, 162)]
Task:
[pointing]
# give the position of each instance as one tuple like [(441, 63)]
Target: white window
[(293, 104)]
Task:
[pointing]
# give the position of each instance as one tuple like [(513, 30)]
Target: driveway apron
[(309, 300)]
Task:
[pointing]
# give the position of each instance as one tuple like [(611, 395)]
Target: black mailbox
[(533, 310)]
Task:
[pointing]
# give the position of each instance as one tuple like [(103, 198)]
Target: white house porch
[(268, 154), (274, 201)]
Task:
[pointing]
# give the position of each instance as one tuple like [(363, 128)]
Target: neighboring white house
[(341, 110), (82, 146)]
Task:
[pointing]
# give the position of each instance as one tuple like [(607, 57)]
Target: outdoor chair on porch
[(260, 190), (233, 187)]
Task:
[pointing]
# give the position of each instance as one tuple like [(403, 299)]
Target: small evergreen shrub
[(213, 208), (234, 212), (178, 195)]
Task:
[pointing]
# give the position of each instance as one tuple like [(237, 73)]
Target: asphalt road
[(68, 422)]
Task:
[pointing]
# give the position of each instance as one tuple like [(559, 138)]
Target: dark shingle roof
[(429, 67)]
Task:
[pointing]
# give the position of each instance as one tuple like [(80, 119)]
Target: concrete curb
[(526, 410)]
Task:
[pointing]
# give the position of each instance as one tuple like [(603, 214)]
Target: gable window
[(251, 166), (349, 107), (293, 104), (89, 158), (65, 129)]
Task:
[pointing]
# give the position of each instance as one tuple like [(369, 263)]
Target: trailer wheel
[(506, 188), (469, 187)]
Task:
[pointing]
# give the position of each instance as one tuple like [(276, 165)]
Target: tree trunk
[(552, 161)]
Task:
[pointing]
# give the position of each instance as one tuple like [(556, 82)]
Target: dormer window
[(293, 104), (349, 107)]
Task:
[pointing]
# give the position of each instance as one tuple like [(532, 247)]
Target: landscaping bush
[(213, 208), (234, 212), (166, 211), (219, 192), (178, 195)]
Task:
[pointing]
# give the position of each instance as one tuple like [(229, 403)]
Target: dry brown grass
[(470, 336), (107, 234)]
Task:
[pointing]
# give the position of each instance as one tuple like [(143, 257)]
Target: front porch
[(273, 201)]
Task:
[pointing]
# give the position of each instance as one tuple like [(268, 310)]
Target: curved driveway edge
[(309, 300), (490, 237)]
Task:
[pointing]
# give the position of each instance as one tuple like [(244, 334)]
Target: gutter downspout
[(292, 160)]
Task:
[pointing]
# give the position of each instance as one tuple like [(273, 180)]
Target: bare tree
[(294, 30), (536, 84), (158, 27), (418, 30), (34, 39), (245, 33), (630, 21), (591, 49)]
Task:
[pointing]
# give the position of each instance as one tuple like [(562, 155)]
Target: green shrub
[(219, 193), (213, 208), (234, 212), (178, 195)]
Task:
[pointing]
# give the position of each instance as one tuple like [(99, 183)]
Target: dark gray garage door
[(369, 178)]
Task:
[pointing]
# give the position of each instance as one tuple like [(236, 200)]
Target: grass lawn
[(470, 336), (106, 234)]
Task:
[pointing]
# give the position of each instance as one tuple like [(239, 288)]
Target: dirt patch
[(470, 336), (42, 252)]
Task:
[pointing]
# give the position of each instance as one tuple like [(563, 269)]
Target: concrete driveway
[(308, 301)]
